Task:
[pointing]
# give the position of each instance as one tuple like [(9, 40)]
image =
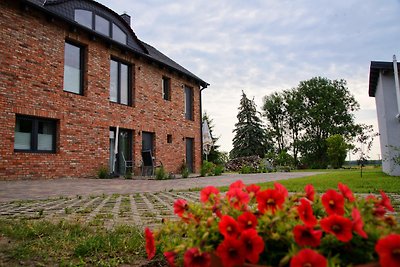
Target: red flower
[(228, 226), (237, 198), (358, 223), (180, 206), (247, 220), (270, 199), (253, 189), (388, 249), (310, 192), (194, 258), (281, 189), (231, 252), (309, 258), (307, 236), (209, 192), (306, 213), (346, 192), (340, 226), (253, 245), (238, 184), (170, 257), (385, 202), (150, 244), (333, 202)]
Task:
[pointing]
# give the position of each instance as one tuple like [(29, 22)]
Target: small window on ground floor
[(34, 134)]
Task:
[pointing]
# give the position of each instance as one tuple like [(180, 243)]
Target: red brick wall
[(31, 83)]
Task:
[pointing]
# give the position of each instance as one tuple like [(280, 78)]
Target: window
[(118, 35), (34, 134), (169, 138), (73, 68), (102, 25), (166, 88), (84, 17), (188, 103), (120, 82)]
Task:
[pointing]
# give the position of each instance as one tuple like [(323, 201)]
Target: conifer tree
[(250, 136)]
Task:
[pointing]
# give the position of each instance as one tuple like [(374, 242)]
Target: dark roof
[(64, 9), (374, 70)]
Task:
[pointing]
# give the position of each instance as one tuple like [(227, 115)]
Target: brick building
[(79, 91)]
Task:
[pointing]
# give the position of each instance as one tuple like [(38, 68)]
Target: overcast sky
[(262, 46)]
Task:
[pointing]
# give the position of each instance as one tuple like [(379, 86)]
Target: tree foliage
[(301, 119), (336, 150), (250, 137)]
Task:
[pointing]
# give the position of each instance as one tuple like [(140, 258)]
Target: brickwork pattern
[(31, 83)]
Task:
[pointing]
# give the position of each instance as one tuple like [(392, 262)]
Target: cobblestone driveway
[(109, 203)]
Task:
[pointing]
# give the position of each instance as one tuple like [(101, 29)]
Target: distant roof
[(63, 9), (374, 70)]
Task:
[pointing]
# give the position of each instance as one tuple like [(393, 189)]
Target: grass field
[(372, 181)]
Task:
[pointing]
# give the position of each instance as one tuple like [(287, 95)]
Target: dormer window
[(100, 24), (84, 17), (118, 35)]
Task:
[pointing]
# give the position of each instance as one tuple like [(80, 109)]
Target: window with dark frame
[(166, 88), (120, 82), (100, 24), (169, 138), (188, 103), (73, 68), (33, 134)]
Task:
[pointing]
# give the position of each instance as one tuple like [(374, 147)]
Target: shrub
[(218, 170), (236, 164), (207, 168), (102, 172), (161, 174)]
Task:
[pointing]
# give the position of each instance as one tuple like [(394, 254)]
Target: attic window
[(100, 25), (84, 17), (118, 35)]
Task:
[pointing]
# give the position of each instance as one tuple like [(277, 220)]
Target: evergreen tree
[(250, 136), (214, 155)]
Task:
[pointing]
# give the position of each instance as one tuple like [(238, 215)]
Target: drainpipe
[(201, 124), (396, 82)]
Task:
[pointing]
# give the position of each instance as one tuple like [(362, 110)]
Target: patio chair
[(149, 164), (129, 164)]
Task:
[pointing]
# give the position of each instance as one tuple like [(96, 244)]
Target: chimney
[(127, 18)]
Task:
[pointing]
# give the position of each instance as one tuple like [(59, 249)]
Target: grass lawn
[(372, 181), (43, 243)]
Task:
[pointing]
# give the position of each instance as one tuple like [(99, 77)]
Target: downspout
[(397, 86), (201, 124)]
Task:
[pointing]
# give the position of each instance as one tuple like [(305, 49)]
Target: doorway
[(120, 150)]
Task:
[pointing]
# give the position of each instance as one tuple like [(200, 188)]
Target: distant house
[(382, 87), (79, 91)]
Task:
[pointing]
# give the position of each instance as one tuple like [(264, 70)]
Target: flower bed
[(270, 228)]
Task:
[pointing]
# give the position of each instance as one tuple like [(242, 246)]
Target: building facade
[(79, 92), (382, 87)]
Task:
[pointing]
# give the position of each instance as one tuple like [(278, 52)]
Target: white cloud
[(266, 46)]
